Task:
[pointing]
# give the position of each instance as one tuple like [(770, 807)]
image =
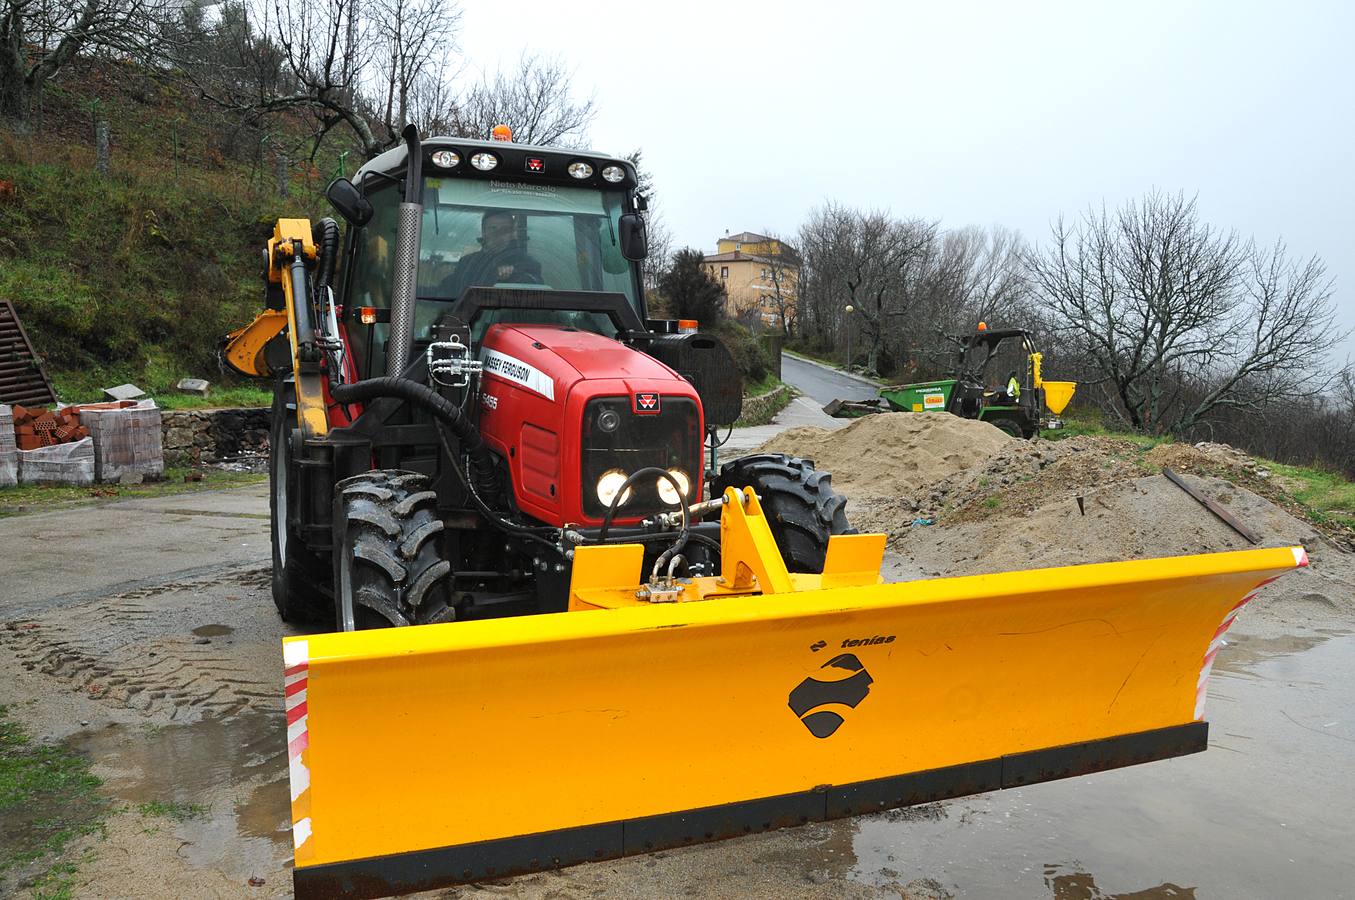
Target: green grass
[(1326, 496), (766, 385), (1074, 427), (33, 497), (178, 811), (158, 379), (49, 795)]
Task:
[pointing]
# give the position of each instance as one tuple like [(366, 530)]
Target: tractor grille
[(670, 439)]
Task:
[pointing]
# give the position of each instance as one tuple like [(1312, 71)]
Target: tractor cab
[(517, 221)]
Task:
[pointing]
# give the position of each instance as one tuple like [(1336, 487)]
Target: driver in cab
[(502, 257)]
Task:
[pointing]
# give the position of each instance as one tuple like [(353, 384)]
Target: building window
[(724, 271)]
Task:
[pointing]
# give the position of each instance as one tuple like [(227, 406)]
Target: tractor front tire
[(388, 568), (798, 500), (299, 575)]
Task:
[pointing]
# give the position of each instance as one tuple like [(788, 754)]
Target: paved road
[(823, 384), (70, 555), (801, 411)]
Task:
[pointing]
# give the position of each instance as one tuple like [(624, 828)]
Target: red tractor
[(468, 388)]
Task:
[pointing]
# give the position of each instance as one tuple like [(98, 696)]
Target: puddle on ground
[(213, 630), (1261, 814), (1064, 885), (1244, 651), (235, 769)]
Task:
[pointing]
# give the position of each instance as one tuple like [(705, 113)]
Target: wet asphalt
[(822, 384)]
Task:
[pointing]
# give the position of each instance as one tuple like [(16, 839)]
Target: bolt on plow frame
[(548, 626)]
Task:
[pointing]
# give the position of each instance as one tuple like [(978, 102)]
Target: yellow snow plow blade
[(445, 753)]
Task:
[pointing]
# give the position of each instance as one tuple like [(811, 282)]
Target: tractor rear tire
[(299, 575), (1012, 426), (388, 568), (801, 507)]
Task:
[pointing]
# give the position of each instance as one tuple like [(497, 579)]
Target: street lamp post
[(849, 309)]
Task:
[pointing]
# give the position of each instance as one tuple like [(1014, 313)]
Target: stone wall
[(763, 408), (214, 435)]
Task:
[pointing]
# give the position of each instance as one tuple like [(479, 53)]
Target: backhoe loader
[(553, 628)]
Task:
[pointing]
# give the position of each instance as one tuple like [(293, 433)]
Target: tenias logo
[(849, 685)]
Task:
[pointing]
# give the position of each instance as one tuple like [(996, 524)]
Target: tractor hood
[(581, 354), (565, 407)]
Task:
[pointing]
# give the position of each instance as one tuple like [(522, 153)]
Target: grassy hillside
[(136, 276)]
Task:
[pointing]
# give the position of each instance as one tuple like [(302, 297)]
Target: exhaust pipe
[(409, 226)]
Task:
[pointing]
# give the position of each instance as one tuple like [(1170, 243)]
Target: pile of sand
[(1000, 504), (1138, 518), (893, 454)]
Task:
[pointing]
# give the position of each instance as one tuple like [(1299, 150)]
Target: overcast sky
[(971, 113)]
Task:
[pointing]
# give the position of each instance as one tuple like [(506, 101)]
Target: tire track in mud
[(137, 648)]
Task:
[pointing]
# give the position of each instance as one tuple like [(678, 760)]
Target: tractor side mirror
[(349, 202), (634, 237)]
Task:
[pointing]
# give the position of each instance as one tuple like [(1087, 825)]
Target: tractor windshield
[(495, 233), (487, 233)]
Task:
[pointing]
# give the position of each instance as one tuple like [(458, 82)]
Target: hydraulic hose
[(498, 521), (325, 233), (483, 471), (681, 540)]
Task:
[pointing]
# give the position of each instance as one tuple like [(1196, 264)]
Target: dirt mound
[(893, 454), (1139, 518), (1019, 477)]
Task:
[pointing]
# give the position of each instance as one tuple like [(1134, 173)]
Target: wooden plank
[(1226, 517)]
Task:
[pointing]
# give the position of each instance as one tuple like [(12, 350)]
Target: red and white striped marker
[(1216, 644), (296, 667)]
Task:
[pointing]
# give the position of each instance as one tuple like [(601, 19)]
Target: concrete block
[(124, 392), (197, 386)]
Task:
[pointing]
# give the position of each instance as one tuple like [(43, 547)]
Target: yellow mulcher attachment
[(648, 718)]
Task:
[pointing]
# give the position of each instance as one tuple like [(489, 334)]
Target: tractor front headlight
[(608, 486), (666, 492)]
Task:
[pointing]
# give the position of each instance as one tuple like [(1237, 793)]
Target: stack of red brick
[(35, 428)]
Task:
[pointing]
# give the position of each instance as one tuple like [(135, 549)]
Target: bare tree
[(536, 102), (1180, 319), (287, 56), (413, 39), (38, 38), (881, 255)]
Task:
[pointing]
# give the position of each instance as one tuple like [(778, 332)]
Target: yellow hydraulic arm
[(291, 255)]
